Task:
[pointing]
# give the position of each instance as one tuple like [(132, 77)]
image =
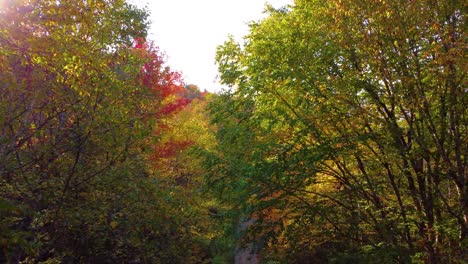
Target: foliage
[(176, 162), (345, 123), (342, 137), (81, 93)]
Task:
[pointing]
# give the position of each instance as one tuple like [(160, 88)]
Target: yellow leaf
[(114, 224)]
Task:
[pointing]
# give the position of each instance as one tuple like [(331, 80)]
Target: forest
[(341, 137)]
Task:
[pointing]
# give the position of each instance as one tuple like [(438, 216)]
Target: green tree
[(76, 112), (344, 131)]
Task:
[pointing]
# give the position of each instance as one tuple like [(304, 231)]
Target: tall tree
[(79, 96), (348, 116)]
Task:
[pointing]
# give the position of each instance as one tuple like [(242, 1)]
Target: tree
[(177, 166), (350, 127), (77, 108)]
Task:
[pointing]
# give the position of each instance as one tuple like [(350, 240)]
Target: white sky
[(188, 32)]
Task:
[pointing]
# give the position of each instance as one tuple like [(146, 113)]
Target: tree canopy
[(82, 98), (341, 139), (344, 134)]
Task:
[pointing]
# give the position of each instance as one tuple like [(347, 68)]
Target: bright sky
[(188, 32)]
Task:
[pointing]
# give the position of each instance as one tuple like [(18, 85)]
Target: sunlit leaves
[(70, 98), (347, 105)]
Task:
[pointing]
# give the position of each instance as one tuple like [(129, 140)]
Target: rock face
[(246, 254)]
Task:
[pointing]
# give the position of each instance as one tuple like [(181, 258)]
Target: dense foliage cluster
[(344, 136), (83, 101)]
